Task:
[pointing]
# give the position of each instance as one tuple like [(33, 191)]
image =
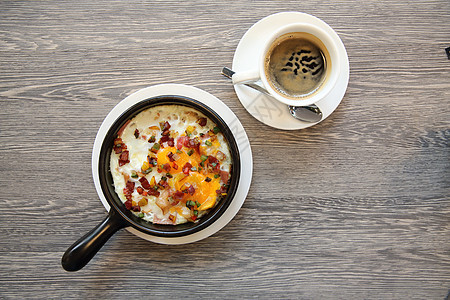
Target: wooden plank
[(354, 207)]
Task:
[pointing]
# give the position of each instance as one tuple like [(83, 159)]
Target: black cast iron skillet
[(83, 250)]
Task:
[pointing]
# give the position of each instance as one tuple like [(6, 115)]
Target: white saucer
[(264, 108), (227, 115)]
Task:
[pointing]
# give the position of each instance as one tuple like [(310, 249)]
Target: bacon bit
[(119, 146), (118, 141), (186, 168), (202, 121), (128, 204), (164, 126), (222, 189), (152, 192), (194, 217), (175, 166), (152, 139), (140, 190), (124, 155), (191, 190), (136, 208), (194, 144), (171, 142), (123, 158), (207, 179), (117, 149), (165, 133), (163, 139), (136, 133), (170, 156), (163, 184), (127, 193), (119, 133), (166, 167), (172, 218), (213, 163), (145, 184), (224, 176), (182, 141), (178, 195), (130, 186)]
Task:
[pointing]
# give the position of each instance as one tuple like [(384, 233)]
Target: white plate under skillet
[(225, 113), (264, 108)]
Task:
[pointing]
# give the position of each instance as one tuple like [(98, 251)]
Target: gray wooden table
[(356, 207)]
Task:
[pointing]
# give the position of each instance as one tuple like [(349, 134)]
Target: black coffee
[(295, 65)]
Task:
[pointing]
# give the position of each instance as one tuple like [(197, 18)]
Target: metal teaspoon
[(310, 113)]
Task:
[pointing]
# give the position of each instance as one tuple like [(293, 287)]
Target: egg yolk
[(205, 190), (181, 159)]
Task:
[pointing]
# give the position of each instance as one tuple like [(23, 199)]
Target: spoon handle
[(227, 72)]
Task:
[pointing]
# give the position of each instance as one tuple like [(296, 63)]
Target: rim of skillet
[(107, 183)]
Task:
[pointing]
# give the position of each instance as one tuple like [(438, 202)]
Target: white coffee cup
[(318, 37)]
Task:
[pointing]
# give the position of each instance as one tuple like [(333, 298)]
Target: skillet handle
[(83, 250)]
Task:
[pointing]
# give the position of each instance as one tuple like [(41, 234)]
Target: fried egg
[(170, 164)]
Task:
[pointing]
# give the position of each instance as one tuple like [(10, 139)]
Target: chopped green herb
[(164, 178), (216, 175), (190, 152), (134, 175), (156, 146), (147, 171), (152, 139), (169, 175), (208, 143), (193, 169), (213, 164), (179, 151), (202, 164), (216, 130), (204, 157), (197, 203), (141, 215), (195, 212)]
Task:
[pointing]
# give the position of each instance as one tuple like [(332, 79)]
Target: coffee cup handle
[(245, 77)]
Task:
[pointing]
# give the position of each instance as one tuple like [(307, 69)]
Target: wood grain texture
[(356, 207)]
